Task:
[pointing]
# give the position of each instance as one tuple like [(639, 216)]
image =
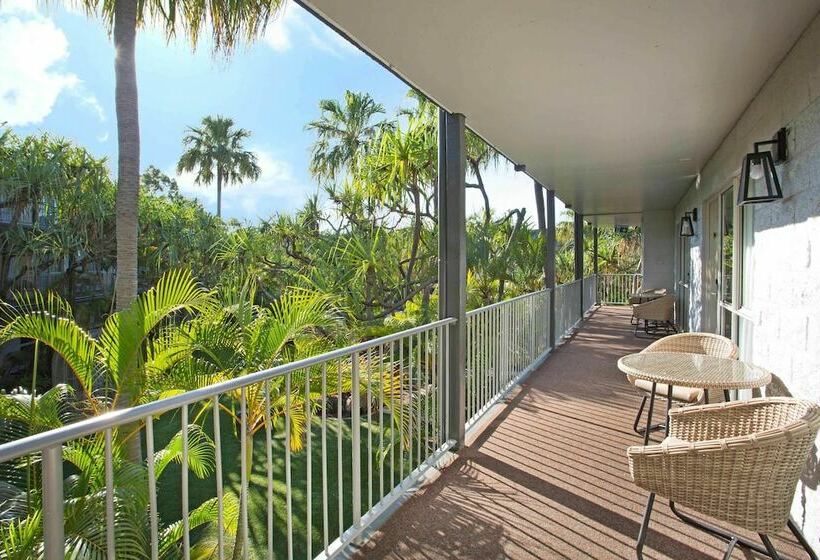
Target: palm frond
[(200, 452), (49, 320)]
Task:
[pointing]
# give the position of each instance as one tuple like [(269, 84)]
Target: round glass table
[(691, 370)]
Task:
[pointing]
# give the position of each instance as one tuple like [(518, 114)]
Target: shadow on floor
[(548, 477)]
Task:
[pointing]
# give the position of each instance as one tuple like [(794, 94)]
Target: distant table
[(691, 370)]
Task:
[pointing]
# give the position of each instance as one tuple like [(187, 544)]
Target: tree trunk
[(218, 192), (128, 169), (480, 186), (414, 249), (505, 254)]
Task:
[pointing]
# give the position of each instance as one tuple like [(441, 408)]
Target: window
[(747, 255)]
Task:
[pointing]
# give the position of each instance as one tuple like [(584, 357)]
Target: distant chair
[(688, 343), (642, 296), (738, 462), (656, 314)]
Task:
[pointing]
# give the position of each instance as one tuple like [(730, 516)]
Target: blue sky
[(56, 75)]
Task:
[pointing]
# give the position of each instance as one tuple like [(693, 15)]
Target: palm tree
[(227, 22), (21, 533), (240, 337), (343, 133), (134, 345), (217, 147)]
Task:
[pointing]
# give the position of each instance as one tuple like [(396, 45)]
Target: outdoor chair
[(656, 314), (642, 296), (689, 343), (738, 462)]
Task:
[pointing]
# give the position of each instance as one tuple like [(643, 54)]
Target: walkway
[(548, 477)]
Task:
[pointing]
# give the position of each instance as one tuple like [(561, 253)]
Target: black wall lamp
[(758, 176), (687, 228)]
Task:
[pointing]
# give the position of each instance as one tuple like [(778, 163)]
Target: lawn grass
[(200, 490)]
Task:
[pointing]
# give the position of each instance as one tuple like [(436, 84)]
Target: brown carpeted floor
[(548, 477)]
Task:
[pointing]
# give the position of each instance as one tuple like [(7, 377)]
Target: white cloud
[(29, 86), (18, 7), (90, 100), (31, 79), (276, 189), (295, 26)]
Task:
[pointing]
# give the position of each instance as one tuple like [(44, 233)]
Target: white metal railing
[(567, 307), (615, 289), (590, 292), (505, 340), (401, 381), (396, 423)]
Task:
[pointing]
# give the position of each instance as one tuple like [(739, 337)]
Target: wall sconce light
[(758, 176), (687, 228)]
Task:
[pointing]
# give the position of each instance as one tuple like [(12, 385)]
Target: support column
[(550, 266), (579, 256), (452, 269), (542, 227), (595, 261)]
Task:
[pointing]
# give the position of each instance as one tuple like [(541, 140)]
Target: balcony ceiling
[(615, 104)]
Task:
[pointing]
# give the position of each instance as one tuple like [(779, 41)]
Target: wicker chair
[(643, 296), (738, 462), (656, 314), (689, 343)]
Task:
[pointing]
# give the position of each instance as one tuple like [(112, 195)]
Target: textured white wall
[(781, 328), (658, 232)]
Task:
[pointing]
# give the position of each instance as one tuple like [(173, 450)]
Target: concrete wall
[(779, 323), (658, 231)]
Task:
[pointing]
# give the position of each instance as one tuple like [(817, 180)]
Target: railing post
[(579, 256), (453, 266), (550, 268), (53, 531), (355, 440), (595, 262)]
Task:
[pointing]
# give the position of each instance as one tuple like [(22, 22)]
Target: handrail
[(504, 302), (43, 440)]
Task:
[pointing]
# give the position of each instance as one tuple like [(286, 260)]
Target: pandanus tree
[(402, 175), (216, 150)]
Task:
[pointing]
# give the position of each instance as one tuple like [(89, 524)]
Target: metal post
[(550, 268), (542, 226), (579, 256), (356, 444), (595, 260), (453, 266), (53, 531)]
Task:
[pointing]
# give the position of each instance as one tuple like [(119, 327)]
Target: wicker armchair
[(738, 462), (643, 296), (689, 343), (656, 314)]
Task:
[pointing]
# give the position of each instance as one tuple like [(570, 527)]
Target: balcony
[(543, 472), (547, 476)]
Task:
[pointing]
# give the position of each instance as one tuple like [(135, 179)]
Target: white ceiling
[(616, 104)]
